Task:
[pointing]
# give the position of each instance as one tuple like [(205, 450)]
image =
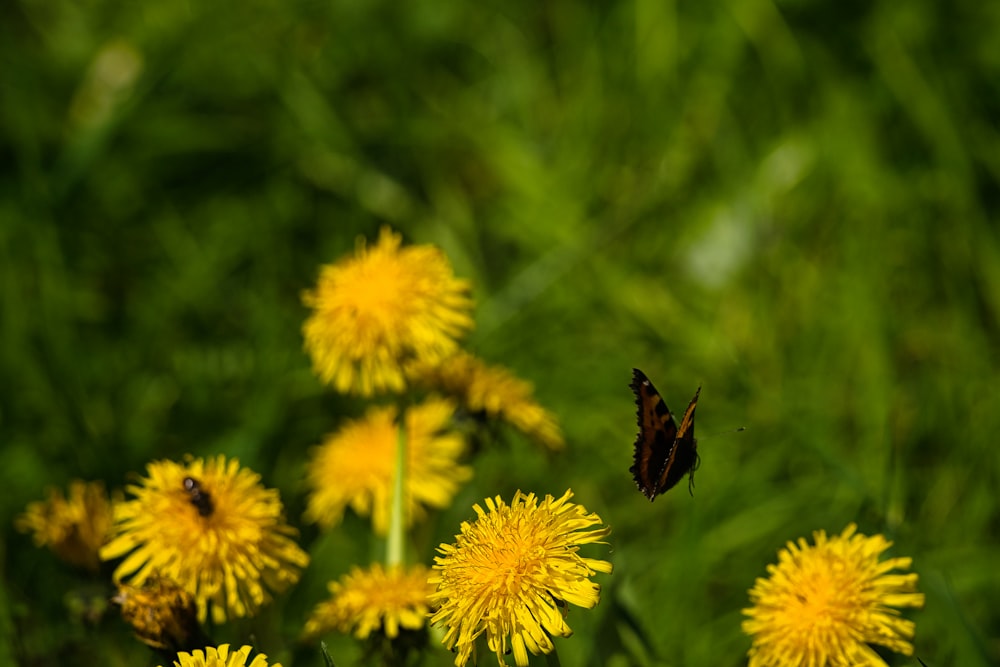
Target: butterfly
[(664, 453)]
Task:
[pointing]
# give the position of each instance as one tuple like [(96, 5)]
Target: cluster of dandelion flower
[(824, 604), (211, 527), (384, 318), (510, 573)]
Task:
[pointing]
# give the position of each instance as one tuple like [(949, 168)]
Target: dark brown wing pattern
[(664, 453)]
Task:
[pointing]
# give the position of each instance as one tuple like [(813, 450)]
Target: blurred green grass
[(794, 205)]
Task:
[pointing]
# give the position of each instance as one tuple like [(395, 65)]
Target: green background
[(794, 205)]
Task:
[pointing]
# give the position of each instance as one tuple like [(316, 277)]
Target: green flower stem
[(552, 658), (394, 545)]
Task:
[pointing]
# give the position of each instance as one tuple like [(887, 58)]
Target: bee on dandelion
[(211, 527)]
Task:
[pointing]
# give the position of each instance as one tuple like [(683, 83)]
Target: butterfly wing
[(657, 434), (683, 457)]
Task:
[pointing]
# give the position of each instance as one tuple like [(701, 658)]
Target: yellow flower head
[(222, 657), (375, 599), (382, 308), (211, 527), (493, 391), (356, 466), (162, 614), (510, 573), (823, 605), (74, 527)]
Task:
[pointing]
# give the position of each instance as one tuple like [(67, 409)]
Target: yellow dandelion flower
[(374, 599), (213, 528), (382, 308), (162, 614), (493, 391), (511, 573), (822, 605), (222, 657), (74, 527), (356, 465)]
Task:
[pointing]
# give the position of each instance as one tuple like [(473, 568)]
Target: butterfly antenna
[(718, 433)]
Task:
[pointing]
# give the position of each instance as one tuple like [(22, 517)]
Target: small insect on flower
[(211, 527), (200, 498)]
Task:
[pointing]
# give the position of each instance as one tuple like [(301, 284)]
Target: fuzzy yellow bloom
[(162, 614), (356, 465), (211, 527), (381, 309), (222, 657), (374, 599), (823, 604), (75, 526), (492, 391), (511, 573)]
